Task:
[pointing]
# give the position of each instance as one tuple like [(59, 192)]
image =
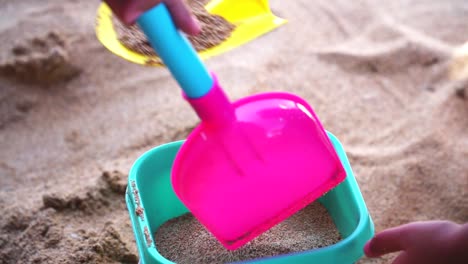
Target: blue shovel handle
[(176, 51)]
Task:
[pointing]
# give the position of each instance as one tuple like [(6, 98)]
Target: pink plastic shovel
[(249, 164)]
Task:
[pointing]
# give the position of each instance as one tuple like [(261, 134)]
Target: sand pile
[(43, 235), (41, 60), (378, 74), (185, 240)]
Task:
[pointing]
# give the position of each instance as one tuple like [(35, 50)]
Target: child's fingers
[(403, 258), (388, 241), (429, 242), (129, 10), (117, 6), (182, 16)]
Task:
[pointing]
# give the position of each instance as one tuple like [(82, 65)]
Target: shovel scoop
[(249, 164)]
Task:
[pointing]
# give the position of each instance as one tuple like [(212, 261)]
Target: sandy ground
[(376, 72)]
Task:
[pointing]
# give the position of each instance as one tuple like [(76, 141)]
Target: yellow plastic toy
[(252, 19)]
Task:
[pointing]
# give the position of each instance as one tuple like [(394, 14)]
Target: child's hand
[(129, 10), (433, 242)]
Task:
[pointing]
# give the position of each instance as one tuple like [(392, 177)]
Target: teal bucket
[(151, 202)]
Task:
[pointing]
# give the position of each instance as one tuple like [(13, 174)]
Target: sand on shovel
[(215, 29), (185, 240)]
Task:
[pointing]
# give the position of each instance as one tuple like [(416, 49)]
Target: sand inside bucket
[(215, 29), (185, 240)]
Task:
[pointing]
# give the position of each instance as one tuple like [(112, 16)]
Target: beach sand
[(74, 117)]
